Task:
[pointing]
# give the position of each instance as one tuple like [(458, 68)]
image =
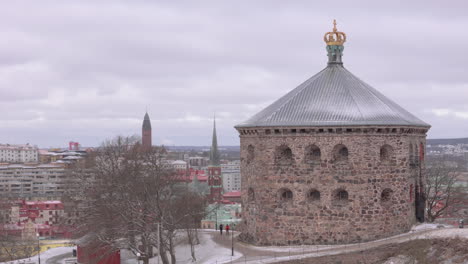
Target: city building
[(333, 161), (225, 214), (231, 166), (179, 165), (231, 181), (198, 162), (29, 181), (66, 157), (194, 180), (232, 197), (45, 217), (18, 153), (231, 176)]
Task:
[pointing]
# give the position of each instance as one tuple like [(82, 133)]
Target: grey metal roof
[(333, 97)]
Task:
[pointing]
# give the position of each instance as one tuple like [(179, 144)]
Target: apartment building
[(18, 153), (43, 180)]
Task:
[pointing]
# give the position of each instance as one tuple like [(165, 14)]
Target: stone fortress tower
[(333, 161)]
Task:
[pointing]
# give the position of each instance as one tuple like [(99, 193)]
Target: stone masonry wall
[(272, 218)]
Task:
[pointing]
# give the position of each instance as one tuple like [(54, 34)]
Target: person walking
[(227, 229), (221, 229)]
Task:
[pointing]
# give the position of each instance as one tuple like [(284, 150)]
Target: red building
[(45, 216), (188, 175), (92, 253), (234, 196)]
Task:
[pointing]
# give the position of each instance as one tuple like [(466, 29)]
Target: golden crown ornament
[(336, 37)]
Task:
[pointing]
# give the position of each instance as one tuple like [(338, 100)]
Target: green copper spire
[(214, 153)]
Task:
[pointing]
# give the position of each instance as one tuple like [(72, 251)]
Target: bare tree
[(14, 242), (133, 200), (440, 188)]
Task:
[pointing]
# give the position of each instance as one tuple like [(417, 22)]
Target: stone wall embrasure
[(269, 219)]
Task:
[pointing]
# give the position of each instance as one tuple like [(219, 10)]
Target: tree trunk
[(162, 248), (191, 240), (197, 239), (171, 249)]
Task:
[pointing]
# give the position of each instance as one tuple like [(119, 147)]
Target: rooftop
[(333, 97)]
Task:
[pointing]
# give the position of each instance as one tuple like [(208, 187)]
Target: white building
[(231, 181), (231, 176), (231, 166), (179, 164), (18, 153), (198, 162)]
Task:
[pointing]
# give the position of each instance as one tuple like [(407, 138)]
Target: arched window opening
[(286, 195), (251, 195), (386, 153), (283, 156), (341, 153), (312, 154), (250, 153), (314, 195), (386, 195), (340, 197)]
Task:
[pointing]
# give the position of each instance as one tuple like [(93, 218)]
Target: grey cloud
[(87, 70)]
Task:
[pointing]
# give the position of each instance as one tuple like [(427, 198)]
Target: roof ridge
[(354, 99), (390, 104)]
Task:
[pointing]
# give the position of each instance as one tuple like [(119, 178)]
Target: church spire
[(146, 134), (214, 153)]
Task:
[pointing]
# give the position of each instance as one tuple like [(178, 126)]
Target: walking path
[(216, 249), (254, 254)]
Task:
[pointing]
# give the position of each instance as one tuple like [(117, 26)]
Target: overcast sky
[(87, 70)]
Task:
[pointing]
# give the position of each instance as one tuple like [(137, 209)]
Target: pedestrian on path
[(227, 229), (221, 229)]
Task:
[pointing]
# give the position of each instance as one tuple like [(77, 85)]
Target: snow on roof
[(18, 147), (72, 158), (43, 151), (50, 165), (23, 166), (42, 202)]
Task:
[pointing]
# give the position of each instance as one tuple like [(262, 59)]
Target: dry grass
[(419, 251)]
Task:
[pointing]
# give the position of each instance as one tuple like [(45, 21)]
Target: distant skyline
[(87, 70)]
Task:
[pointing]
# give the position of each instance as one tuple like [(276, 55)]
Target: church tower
[(214, 169), (146, 132)]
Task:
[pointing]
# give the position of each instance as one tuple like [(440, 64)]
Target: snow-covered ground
[(210, 252), (426, 226), (424, 231), (44, 256), (207, 252)]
